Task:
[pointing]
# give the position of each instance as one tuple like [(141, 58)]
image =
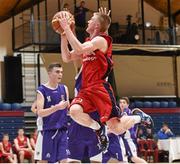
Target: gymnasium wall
[(144, 75), (68, 71), (5, 48), (120, 8), (5, 38), (134, 75)]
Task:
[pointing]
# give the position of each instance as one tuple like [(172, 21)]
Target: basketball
[(55, 22)]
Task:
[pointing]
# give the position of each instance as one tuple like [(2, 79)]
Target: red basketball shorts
[(100, 98)]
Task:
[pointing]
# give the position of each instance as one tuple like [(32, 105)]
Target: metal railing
[(40, 33)]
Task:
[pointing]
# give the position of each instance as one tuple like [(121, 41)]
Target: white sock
[(137, 119), (95, 125)]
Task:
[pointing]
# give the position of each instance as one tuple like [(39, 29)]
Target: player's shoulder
[(41, 90), (62, 85), (103, 39), (41, 87), (99, 37)]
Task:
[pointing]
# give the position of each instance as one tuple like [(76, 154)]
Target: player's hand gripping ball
[(55, 21)]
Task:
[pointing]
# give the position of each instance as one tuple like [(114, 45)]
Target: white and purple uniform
[(129, 138), (52, 142), (116, 149), (82, 141)]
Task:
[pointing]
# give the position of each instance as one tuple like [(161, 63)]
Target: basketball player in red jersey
[(96, 93), (6, 151), (33, 139), (23, 147)]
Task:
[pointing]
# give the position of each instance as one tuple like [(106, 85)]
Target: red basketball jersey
[(97, 65), (22, 143), (7, 147)]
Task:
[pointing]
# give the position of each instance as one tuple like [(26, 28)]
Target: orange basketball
[(55, 22)]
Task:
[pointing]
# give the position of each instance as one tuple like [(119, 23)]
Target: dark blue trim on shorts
[(114, 112), (128, 149)]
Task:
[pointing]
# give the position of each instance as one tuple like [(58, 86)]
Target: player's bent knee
[(112, 125), (75, 110)]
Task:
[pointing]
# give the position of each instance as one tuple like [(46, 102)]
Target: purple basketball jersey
[(132, 130), (58, 119)]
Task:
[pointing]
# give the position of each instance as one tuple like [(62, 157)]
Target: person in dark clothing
[(80, 20), (80, 14)]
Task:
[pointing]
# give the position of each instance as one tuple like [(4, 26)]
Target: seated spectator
[(33, 139), (165, 132), (23, 148), (6, 153)]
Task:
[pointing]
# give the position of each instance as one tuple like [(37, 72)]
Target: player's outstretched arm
[(48, 111), (66, 54), (2, 150), (78, 47)]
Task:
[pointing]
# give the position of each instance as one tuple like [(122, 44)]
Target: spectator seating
[(156, 104), (142, 148), (173, 121), (147, 149), (147, 104), (164, 104), (161, 111), (10, 107), (139, 104), (152, 150), (10, 125), (153, 104), (172, 104), (5, 106), (16, 106)]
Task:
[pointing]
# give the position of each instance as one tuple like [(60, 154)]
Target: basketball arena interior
[(146, 65)]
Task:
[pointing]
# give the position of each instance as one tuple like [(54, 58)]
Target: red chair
[(152, 150), (142, 148)]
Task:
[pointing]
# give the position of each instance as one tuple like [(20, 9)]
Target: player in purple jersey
[(116, 152), (52, 102), (129, 137), (121, 146), (83, 141)]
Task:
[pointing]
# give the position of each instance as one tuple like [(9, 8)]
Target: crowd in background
[(21, 149)]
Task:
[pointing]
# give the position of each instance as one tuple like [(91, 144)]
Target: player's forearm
[(65, 53), (46, 112), (4, 153), (74, 42), (27, 149)]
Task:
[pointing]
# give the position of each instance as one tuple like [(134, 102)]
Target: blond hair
[(104, 20)]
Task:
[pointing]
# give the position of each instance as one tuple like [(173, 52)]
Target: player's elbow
[(78, 49), (66, 60), (40, 114)]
